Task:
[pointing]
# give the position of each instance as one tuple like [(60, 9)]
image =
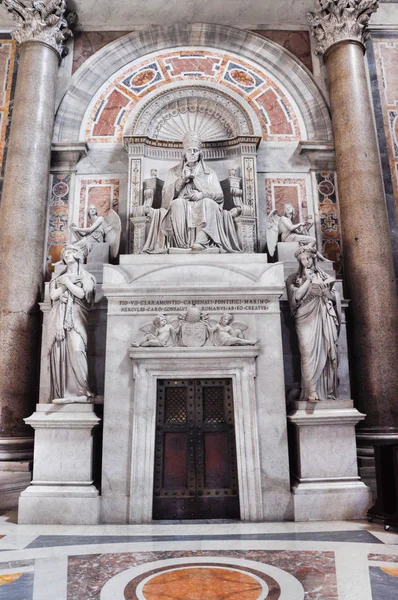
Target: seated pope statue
[(192, 215)]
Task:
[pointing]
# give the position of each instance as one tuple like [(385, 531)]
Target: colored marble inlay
[(16, 586), (7, 72), (58, 213), (273, 108), (103, 193), (384, 583), (330, 219), (314, 572), (197, 583)]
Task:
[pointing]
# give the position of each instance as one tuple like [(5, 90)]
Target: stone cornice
[(41, 21), (341, 20)]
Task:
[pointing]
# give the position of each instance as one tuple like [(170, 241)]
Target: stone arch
[(272, 58)]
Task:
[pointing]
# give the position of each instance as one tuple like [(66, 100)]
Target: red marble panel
[(297, 42), (278, 121), (286, 194), (88, 43), (192, 64), (105, 125), (103, 193)]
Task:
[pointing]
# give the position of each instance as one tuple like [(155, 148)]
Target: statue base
[(62, 490), (74, 400), (191, 251), (326, 484)]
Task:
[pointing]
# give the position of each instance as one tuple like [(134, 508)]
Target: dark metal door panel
[(195, 454)]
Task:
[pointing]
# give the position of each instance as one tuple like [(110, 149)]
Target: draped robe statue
[(192, 215), (316, 308), (72, 295)]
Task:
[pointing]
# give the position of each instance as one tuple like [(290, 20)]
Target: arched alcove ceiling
[(170, 113), (112, 82)]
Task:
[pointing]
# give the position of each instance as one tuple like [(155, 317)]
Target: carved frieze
[(41, 21), (337, 20), (193, 329)]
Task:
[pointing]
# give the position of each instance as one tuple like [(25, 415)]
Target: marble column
[(341, 29), (23, 210)]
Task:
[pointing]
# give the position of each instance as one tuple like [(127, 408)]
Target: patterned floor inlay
[(16, 580), (48, 541), (383, 577), (308, 574)]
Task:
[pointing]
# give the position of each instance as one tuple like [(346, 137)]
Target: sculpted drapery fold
[(316, 308)]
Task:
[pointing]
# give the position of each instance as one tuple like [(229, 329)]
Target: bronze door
[(195, 456)]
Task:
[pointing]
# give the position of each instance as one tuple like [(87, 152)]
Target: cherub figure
[(102, 229), (288, 231), (223, 334), (159, 333)]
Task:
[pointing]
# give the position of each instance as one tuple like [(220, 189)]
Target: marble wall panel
[(87, 43), (274, 109), (382, 55)]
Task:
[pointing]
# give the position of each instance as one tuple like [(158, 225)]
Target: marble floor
[(198, 561)]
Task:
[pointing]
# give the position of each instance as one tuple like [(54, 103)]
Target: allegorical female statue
[(192, 215), (72, 296), (316, 308)]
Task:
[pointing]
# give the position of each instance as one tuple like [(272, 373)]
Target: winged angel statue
[(284, 227), (103, 229), (228, 332), (159, 333)]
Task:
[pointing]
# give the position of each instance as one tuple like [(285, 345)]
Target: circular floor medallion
[(203, 582)]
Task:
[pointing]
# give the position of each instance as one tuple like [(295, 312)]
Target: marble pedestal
[(62, 490), (326, 485)]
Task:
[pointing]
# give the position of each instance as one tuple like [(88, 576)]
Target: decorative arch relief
[(108, 113)]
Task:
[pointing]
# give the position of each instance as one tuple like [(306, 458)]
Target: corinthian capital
[(40, 21), (337, 20)]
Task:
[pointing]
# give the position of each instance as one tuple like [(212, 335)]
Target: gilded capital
[(338, 20), (41, 21)]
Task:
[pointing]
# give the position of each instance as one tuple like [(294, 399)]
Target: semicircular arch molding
[(109, 85)]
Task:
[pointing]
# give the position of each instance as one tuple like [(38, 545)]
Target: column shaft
[(22, 233), (368, 263)]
